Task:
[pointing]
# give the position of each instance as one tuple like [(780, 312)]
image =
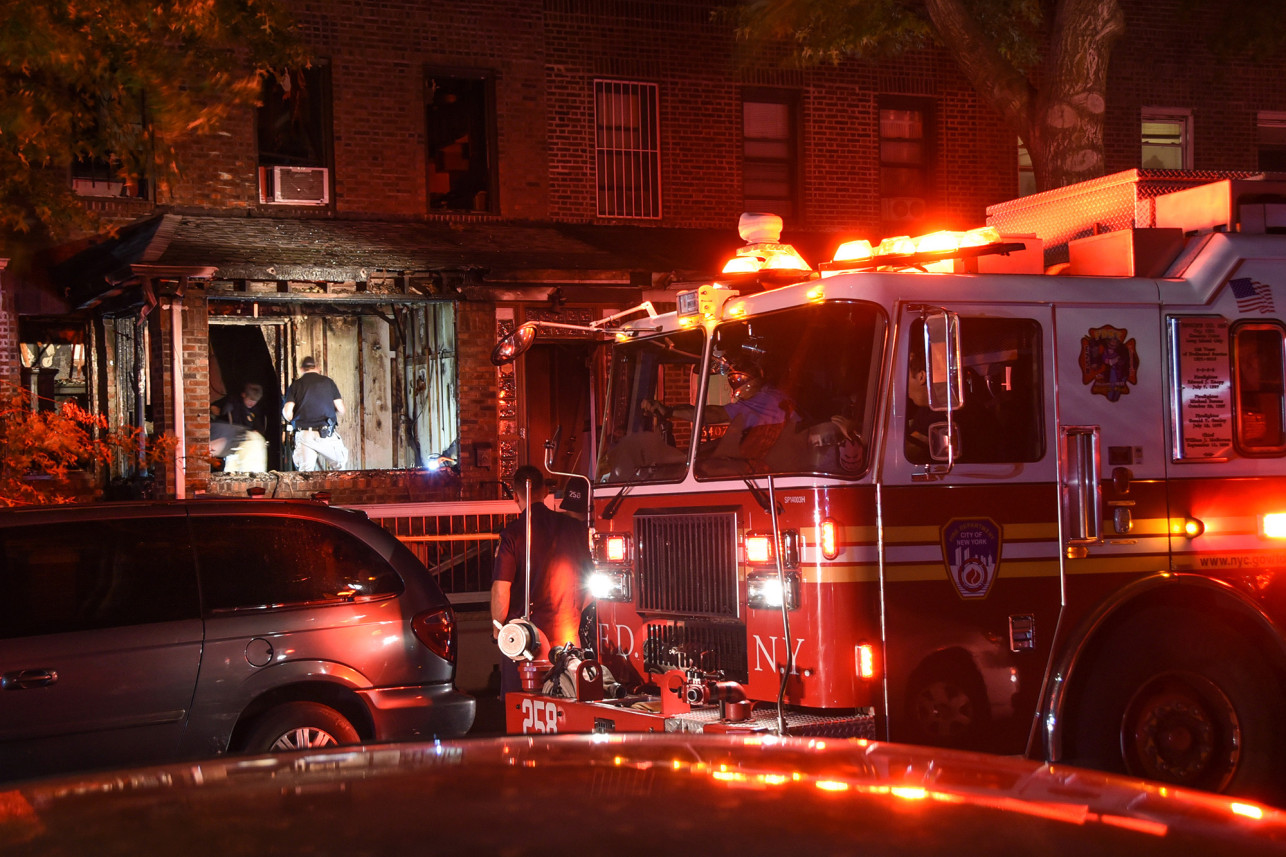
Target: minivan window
[(259, 561), (81, 575)]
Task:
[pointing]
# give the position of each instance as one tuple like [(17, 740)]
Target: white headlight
[(610, 585)]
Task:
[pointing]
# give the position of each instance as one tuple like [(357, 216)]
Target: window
[(458, 122), (53, 359), (1167, 143), (401, 412), (769, 169), (1000, 420), (627, 149), (1026, 173), (294, 138), (251, 561), (904, 161), (1259, 375), (99, 175), (1272, 140), (92, 574)]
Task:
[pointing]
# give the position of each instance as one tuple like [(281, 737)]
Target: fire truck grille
[(687, 564), (709, 647)]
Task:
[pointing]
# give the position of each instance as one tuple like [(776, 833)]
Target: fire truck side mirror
[(942, 360), (944, 442), (514, 344)]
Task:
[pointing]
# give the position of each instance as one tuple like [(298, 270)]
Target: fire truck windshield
[(640, 443), (788, 392)]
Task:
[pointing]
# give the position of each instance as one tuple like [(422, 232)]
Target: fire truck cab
[(937, 492)]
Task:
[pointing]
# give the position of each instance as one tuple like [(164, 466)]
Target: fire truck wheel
[(946, 705), (1176, 699)]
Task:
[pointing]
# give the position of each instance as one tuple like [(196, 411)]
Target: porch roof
[(487, 253)]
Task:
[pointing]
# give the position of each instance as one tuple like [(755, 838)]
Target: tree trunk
[(1066, 138), (1061, 121)]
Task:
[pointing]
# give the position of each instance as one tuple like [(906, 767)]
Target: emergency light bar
[(903, 251)]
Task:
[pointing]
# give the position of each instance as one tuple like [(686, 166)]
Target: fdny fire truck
[(940, 491)]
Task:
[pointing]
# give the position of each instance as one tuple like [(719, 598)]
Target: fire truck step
[(765, 720)]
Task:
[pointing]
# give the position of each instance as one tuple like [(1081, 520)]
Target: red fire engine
[(939, 492)]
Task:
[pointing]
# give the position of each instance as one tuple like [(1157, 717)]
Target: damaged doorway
[(250, 353)]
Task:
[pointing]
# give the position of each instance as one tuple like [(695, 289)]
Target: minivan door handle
[(27, 679)]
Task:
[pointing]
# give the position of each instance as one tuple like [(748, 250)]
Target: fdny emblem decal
[(1109, 362), (971, 548)]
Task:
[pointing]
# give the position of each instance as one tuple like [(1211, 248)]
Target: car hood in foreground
[(601, 794)]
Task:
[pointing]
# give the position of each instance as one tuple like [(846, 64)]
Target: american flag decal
[(1252, 296)]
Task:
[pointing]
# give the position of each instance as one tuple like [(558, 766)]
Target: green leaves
[(125, 81)]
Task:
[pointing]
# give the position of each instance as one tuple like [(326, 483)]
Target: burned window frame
[(418, 420), (477, 118)]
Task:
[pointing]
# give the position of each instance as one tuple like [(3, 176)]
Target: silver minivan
[(142, 632)]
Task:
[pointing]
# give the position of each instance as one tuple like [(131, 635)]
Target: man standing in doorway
[(559, 562), (313, 407)]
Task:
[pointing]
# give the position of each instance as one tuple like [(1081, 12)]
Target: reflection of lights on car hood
[(825, 795)]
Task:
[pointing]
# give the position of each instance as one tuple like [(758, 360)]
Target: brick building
[(448, 170)]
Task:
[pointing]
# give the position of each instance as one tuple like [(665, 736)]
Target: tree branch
[(996, 79)]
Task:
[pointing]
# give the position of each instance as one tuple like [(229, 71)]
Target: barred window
[(627, 149)]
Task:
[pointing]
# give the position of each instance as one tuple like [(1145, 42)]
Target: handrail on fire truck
[(514, 344)]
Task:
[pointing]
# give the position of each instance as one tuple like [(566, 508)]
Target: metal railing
[(455, 541)]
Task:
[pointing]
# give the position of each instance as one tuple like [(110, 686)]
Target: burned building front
[(181, 314)]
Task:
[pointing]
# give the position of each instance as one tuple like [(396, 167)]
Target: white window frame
[(627, 149), (1274, 121), (1176, 115), (1026, 172)]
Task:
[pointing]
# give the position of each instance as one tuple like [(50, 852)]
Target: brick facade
[(543, 59)]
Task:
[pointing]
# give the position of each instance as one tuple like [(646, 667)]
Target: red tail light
[(436, 629)]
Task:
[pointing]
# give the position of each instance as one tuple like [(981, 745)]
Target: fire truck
[(941, 491)]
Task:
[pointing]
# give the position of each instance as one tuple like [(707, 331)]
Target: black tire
[(946, 705), (298, 725), (1175, 698)]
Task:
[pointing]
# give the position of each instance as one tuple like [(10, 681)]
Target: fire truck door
[(971, 552)]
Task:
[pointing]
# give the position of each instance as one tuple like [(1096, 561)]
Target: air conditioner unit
[(898, 208), (97, 187), (294, 185)]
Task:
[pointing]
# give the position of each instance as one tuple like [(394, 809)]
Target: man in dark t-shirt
[(559, 562), (313, 406)]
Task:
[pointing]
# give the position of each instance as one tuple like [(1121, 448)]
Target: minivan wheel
[(297, 725)]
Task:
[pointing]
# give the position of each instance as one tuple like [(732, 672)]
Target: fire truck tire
[(1178, 699), (946, 704)]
